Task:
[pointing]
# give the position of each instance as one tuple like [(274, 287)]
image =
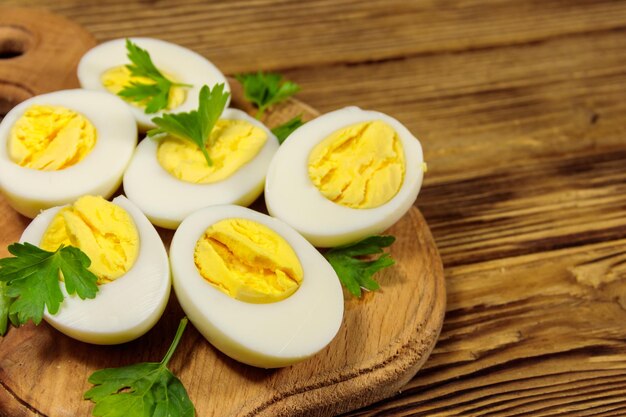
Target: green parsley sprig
[(142, 389), (266, 89), (29, 281), (283, 131), (196, 125), (156, 93), (354, 271)]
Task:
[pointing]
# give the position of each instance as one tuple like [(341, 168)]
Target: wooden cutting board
[(384, 339)]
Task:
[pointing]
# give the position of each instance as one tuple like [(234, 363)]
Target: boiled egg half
[(169, 178), (128, 257), (103, 68), (58, 146), (256, 289), (344, 176)]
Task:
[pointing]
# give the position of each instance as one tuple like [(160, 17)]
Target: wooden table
[(521, 110)]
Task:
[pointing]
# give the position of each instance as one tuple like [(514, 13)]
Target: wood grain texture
[(253, 34), (520, 107), (528, 207), (486, 109), (538, 334)]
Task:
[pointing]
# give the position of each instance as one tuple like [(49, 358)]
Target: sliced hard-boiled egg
[(344, 176), (128, 257), (58, 146), (104, 68), (169, 178), (254, 287)]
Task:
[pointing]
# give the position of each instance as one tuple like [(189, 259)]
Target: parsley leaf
[(355, 272), (266, 89), (5, 304), (31, 279), (142, 389), (156, 93), (6, 318), (195, 125), (283, 131)]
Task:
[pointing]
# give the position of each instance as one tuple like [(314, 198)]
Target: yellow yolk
[(50, 138), (116, 78), (233, 143), (248, 261), (360, 166), (103, 230)]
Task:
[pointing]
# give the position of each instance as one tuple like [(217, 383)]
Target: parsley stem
[(174, 345), (209, 161), (259, 113), (182, 85)]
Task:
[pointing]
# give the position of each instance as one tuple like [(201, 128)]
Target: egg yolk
[(248, 261), (117, 78), (50, 138), (103, 230), (232, 144), (360, 166)]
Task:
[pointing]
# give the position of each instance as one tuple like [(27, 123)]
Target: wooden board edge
[(12, 406), (391, 370), (356, 390)]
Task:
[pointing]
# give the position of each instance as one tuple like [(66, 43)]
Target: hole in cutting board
[(11, 95), (14, 41)]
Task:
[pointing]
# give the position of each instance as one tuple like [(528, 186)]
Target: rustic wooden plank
[(483, 109), (270, 34), (520, 108), (483, 105), (538, 334), (528, 207)]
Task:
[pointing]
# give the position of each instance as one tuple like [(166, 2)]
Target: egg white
[(166, 200), (183, 64), (263, 335), (100, 173), (123, 309), (291, 196)]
